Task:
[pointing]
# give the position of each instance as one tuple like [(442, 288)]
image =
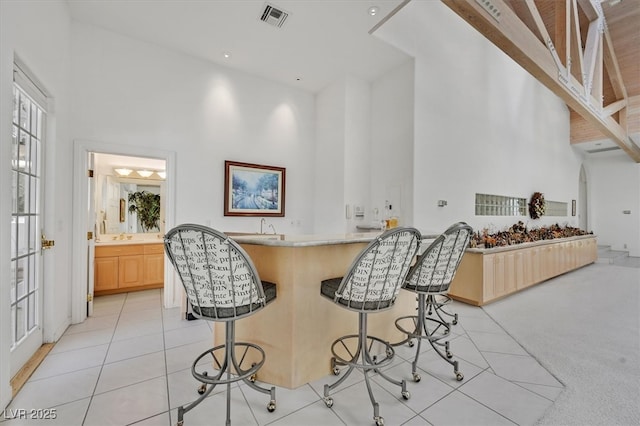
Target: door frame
[(81, 150), (583, 199)]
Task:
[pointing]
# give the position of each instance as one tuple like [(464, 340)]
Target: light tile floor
[(130, 364)]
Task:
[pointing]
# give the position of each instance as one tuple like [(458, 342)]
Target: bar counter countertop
[(310, 240)]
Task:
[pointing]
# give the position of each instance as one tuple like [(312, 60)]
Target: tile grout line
[(106, 354), (166, 369)]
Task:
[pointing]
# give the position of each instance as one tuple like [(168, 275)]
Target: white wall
[(392, 168), (482, 124), (343, 155), (130, 92), (329, 160), (613, 185), (357, 152), (38, 33)]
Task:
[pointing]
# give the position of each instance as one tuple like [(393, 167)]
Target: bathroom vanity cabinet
[(127, 267)]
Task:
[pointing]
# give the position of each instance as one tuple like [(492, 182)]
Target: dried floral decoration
[(518, 234), (537, 205)]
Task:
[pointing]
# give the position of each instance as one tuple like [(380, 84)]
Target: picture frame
[(254, 189), (123, 210)]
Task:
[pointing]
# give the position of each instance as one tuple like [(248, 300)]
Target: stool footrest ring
[(415, 330), (346, 351), (250, 353)]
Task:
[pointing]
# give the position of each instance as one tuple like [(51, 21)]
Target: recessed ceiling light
[(373, 10), (227, 55)]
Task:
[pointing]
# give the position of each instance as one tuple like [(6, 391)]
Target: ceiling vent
[(273, 16)]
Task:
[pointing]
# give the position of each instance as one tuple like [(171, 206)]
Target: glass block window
[(556, 208), (500, 205)]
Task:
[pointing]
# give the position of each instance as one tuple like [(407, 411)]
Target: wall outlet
[(625, 246)]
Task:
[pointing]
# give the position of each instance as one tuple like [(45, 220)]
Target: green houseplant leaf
[(147, 205)]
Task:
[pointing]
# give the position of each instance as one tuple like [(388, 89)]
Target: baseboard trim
[(29, 368)]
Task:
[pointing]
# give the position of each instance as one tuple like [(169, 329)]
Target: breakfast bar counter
[(297, 329)]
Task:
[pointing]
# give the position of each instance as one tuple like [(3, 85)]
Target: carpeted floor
[(584, 328)]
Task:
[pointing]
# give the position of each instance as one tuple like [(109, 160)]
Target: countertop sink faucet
[(262, 223), (272, 228)]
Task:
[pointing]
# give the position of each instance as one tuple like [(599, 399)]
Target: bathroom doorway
[(91, 223), (128, 198)]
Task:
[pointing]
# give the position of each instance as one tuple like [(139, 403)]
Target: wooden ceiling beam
[(611, 62), (503, 27), (590, 9)]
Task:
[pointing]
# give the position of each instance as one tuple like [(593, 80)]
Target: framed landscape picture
[(253, 189)]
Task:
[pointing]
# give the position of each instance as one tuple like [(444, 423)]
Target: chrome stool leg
[(225, 376), (363, 359), (434, 336), (439, 307)]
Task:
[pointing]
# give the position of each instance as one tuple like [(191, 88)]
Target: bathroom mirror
[(129, 206), (119, 181)]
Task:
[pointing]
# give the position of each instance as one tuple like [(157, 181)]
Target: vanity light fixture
[(162, 174), (144, 173), (123, 171)]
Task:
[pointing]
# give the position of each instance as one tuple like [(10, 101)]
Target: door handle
[(46, 244)]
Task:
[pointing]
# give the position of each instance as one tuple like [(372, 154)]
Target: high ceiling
[(320, 41), (601, 80), (623, 23), (324, 40)]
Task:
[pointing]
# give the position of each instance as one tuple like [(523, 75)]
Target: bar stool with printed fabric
[(371, 285), (221, 284), (430, 279)]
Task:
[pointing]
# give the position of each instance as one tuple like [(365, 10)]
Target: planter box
[(486, 275)]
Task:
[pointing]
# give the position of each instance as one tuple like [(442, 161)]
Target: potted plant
[(147, 205)]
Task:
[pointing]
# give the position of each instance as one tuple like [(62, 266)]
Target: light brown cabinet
[(153, 268), (106, 273), (485, 275), (128, 267)]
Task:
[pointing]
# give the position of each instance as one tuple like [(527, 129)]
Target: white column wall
[(613, 185), (329, 179), (357, 151), (392, 166), (342, 156), (38, 33)]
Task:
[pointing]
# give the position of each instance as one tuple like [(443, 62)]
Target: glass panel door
[(26, 263)]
